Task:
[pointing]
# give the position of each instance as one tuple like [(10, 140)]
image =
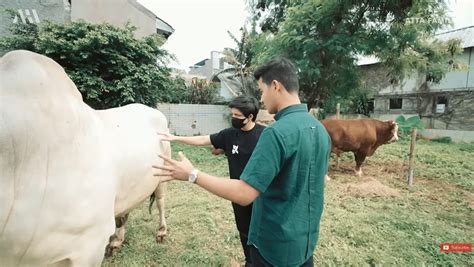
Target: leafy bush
[(405, 125), (202, 92), (444, 140), (109, 65), (356, 102)]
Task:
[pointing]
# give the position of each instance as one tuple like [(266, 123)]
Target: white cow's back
[(55, 176)]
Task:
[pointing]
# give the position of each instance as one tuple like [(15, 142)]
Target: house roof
[(200, 63), (227, 76), (466, 35), (216, 76), (366, 60), (161, 25)]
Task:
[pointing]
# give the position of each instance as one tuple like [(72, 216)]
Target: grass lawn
[(375, 219)]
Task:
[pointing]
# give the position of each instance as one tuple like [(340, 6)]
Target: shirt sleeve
[(266, 161), (218, 139)]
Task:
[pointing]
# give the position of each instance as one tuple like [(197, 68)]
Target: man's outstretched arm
[(234, 190), (201, 140)]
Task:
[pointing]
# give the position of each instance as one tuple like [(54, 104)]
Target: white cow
[(66, 170)]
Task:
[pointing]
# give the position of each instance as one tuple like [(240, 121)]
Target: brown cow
[(362, 137)]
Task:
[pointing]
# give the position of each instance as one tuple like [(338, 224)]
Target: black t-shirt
[(238, 146)]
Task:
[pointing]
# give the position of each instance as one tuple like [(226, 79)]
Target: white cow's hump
[(30, 75)]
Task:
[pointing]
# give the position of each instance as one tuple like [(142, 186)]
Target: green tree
[(109, 65), (202, 92), (241, 59), (324, 38)]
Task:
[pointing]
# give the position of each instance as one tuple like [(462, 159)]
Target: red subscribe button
[(455, 247)]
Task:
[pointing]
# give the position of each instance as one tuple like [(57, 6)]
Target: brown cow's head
[(393, 128)]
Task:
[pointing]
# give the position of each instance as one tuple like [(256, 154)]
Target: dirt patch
[(470, 203), (371, 187), (234, 263)]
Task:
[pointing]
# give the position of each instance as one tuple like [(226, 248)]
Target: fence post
[(411, 156), (338, 110)]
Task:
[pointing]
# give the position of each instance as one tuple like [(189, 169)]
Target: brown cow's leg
[(338, 153), (359, 158), (116, 240)]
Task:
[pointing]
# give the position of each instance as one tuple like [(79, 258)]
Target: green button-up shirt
[(288, 167)]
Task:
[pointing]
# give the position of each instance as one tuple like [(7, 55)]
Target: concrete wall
[(421, 98), (206, 70), (456, 136), (382, 105), (115, 12), (211, 66), (374, 77), (470, 75), (33, 11), (411, 83), (191, 119), (458, 80), (458, 114)]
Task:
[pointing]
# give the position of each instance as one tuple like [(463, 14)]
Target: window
[(396, 103), (441, 104), (370, 105)]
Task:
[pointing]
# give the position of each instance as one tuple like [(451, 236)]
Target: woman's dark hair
[(247, 105)]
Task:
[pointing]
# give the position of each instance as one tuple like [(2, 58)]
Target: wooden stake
[(338, 110), (411, 156)]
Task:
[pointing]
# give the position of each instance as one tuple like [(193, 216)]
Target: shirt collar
[(291, 109)]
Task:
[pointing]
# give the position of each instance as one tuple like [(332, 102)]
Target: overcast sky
[(201, 25), (462, 12)]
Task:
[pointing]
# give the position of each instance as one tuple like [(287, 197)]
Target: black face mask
[(238, 123)]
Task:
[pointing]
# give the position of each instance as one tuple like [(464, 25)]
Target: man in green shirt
[(285, 174)]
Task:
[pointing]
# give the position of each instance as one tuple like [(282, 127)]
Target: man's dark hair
[(247, 105), (280, 69)]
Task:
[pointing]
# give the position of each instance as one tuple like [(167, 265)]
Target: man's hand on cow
[(179, 170), (167, 137)]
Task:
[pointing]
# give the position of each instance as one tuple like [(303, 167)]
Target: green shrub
[(405, 125), (444, 139), (109, 65)]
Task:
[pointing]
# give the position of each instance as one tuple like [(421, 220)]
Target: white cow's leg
[(160, 194), (117, 239)]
